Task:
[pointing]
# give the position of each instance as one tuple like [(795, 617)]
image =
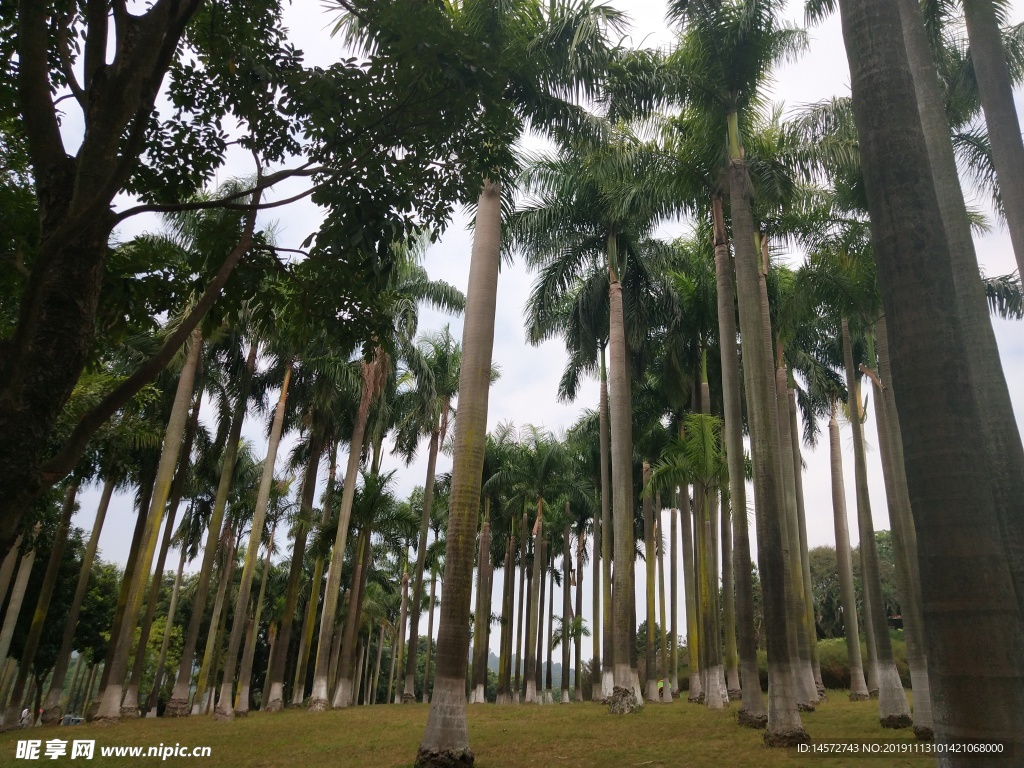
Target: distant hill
[(556, 670)]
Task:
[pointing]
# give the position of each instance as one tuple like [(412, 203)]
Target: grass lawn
[(577, 736)]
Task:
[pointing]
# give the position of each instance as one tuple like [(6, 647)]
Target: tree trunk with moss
[(110, 705)]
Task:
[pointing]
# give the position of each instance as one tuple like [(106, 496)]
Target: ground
[(386, 736)]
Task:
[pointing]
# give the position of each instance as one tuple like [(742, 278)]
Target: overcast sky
[(526, 391)]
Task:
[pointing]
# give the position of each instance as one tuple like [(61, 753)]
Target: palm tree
[(930, 313), (425, 407), (544, 53), (724, 83)]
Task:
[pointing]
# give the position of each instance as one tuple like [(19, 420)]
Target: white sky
[(526, 392)]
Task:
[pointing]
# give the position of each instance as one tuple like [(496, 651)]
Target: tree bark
[(732, 677), (7, 570)]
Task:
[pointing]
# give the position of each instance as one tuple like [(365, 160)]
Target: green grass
[(576, 736)]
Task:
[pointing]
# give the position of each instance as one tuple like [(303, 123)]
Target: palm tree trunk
[(430, 638), (51, 707), (391, 671), (445, 737), (226, 577), (154, 696), (274, 700), (995, 85), (858, 688), (226, 707), (318, 698), (421, 554), (401, 627), (145, 496), (904, 538), (795, 602), (732, 677), (479, 670), (524, 598), (110, 705), (784, 725), (666, 679), (504, 665), (376, 670), (536, 587), (312, 606), (715, 695), (650, 566), (566, 609), (178, 704), (344, 691), (607, 645), (893, 709), (7, 570), (623, 697), (35, 633), (1001, 436), (673, 583), (131, 704), (693, 642), (548, 671), (578, 661), (805, 562), (962, 464), (252, 629), (17, 596)]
